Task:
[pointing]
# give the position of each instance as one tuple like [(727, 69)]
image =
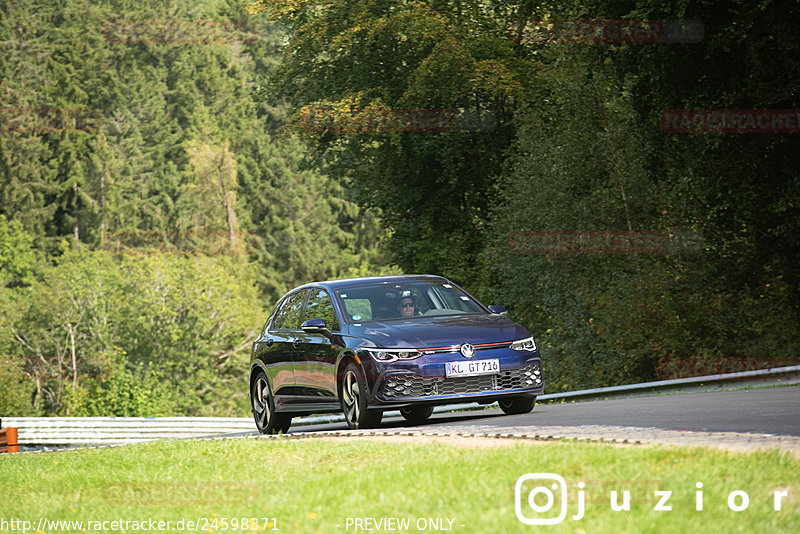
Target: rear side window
[(320, 307), (288, 316)]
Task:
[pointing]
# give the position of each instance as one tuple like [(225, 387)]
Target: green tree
[(351, 66), (136, 91), (17, 259), (574, 185), (212, 193), (589, 157), (740, 190), (178, 326), (191, 319), (16, 395)]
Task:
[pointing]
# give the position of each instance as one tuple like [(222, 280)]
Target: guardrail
[(791, 374), (38, 432), (71, 431)]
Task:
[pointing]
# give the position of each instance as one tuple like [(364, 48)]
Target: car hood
[(429, 332)]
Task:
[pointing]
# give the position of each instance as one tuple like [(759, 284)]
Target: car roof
[(352, 282)]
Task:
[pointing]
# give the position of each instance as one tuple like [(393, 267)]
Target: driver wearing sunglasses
[(406, 307)]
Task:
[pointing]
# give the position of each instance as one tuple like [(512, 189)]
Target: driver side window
[(320, 307)]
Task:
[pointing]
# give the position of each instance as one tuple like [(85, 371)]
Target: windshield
[(404, 300)]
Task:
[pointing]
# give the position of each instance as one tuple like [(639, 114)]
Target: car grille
[(400, 386)]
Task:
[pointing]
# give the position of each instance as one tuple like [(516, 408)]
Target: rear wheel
[(517, 405), (416, 414), (353, 394), (267, 421)]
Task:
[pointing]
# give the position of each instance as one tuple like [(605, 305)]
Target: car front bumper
[(424, 381)]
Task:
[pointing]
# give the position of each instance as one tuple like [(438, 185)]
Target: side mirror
[(499, 310), (315, 326)]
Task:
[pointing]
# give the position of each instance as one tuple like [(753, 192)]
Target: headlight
[(392, 355), (524, 344)]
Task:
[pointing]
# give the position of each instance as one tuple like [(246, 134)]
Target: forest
[(622, 176)]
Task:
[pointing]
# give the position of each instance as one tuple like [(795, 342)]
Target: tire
[(416, 414), (353, 396), (263, 407), (517, 405)]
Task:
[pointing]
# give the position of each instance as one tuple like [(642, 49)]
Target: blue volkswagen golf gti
[(366, 345)]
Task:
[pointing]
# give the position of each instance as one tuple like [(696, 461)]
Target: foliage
[(589, 158), (576, 170), (126, 392), (130, 137), (374, 84), (138, 335), (17, 257), (740, 191), (17, 391)]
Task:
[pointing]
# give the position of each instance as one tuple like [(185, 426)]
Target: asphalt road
[(762, 411)]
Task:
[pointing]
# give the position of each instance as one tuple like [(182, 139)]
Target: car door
[(315, 353), (281, 337)]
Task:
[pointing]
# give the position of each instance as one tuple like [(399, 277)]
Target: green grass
[(312, 485)]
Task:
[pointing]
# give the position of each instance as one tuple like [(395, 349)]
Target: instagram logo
[(535, 496), (538, 497)]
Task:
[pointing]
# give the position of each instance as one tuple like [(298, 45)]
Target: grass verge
[(325, 486)]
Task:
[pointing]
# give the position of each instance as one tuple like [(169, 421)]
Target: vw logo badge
[(467, 350)]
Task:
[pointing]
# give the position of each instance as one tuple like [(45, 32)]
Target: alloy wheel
[(261, 402), (267, 420), (353, 394), (351, 397)]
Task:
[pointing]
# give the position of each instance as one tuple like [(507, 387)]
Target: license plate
[(478, 367)]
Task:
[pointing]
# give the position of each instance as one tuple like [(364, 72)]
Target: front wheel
[(353, 394), (517, 405), (416, 414), (267, 421)]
